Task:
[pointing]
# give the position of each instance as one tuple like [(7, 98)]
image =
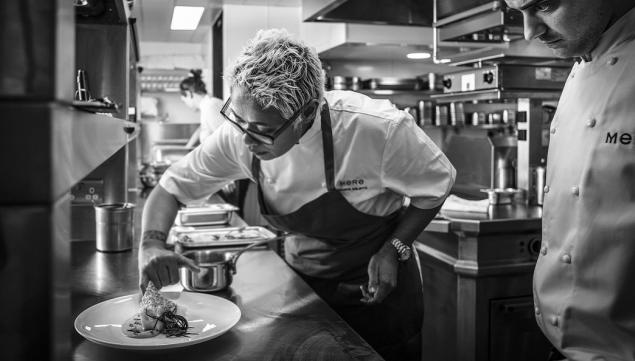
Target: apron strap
[(327, 145), (255, 169)]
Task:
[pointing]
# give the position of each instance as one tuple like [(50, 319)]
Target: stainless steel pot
[(499, 196), (217, 267)]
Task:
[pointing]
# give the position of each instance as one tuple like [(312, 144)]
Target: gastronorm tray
[(207, 215), (190, 237)]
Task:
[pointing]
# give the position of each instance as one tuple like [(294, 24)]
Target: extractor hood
[(383, 12), (485, 31)]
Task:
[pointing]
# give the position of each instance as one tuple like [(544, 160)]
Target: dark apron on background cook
[(334, 256)]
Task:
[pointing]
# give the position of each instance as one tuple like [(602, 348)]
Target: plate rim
[(190, 342)]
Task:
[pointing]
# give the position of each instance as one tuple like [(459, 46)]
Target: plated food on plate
[(156, 315)]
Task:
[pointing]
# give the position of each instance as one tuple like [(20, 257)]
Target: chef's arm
[(383, 266), (158, 215), (156, 263), (413, 222)]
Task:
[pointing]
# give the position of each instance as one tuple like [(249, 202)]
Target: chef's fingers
[(365, 295), (143, 282), (382, 292), (183, 261), (164, 275), (153, 277), (173, 272)]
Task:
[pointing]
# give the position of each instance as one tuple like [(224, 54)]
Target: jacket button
[(553, 130), (546, 189), (537, 310), (566, 258), (612, 61), (543, 250), (554, 320), (575, 190), (591, 123)]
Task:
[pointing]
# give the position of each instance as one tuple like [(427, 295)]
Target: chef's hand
[(382, 274), (161, 266)]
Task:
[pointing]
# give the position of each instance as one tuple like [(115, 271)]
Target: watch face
[(406, 255)]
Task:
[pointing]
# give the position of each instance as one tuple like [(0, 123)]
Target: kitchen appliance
[(482, 31), (484, 159), (507, 77), (346, 82), (393, 83)]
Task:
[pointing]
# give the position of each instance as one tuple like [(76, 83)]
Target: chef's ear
[(311, 109)]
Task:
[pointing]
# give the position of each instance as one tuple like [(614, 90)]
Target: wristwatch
[(402, 249)]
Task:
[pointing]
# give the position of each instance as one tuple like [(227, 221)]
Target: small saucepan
[(217, 267)]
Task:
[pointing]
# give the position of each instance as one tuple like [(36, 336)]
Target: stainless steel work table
[(282, 318), (477, 279)]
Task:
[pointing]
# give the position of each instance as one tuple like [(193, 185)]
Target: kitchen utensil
[(217, 267), (114, 226), (208, 316)]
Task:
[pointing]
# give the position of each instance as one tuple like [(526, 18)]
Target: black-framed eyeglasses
[(243, 126)]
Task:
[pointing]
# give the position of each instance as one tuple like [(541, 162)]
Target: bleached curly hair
[(278, 71)]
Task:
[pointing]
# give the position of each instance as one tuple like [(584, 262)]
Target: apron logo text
[(351, 185)]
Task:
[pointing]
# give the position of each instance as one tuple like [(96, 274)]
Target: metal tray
[(205, 215), (190, 237)]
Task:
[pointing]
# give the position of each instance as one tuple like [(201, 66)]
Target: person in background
[(584, 281), (334, 169), (194, 95)]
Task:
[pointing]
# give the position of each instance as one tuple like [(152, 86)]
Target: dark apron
[(334, 258)]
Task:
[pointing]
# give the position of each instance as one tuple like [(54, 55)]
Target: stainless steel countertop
[(499, 219), (282, 318)]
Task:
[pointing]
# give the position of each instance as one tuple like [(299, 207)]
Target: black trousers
[(393, 327)]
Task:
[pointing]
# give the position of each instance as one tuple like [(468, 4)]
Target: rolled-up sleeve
[(415, 167), (221, 159)]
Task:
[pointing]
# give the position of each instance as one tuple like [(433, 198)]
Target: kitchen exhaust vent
[(380, 12)]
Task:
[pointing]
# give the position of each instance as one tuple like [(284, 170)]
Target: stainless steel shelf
[(495, 94)]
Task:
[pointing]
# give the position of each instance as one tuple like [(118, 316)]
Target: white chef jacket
[(584, 281), (381, 156), (211, 119)]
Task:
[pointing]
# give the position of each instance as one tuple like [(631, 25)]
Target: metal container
[(346, 83), (186, 238), (499, 196), (114, 226), (217, 267), (208, 215), (541, 175)]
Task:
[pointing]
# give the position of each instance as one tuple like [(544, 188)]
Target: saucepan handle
[(234, 257)]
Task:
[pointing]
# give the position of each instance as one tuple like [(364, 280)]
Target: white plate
[(208, 316)]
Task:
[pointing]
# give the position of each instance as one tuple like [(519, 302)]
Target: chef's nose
[(249, 140), (533, 26)]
